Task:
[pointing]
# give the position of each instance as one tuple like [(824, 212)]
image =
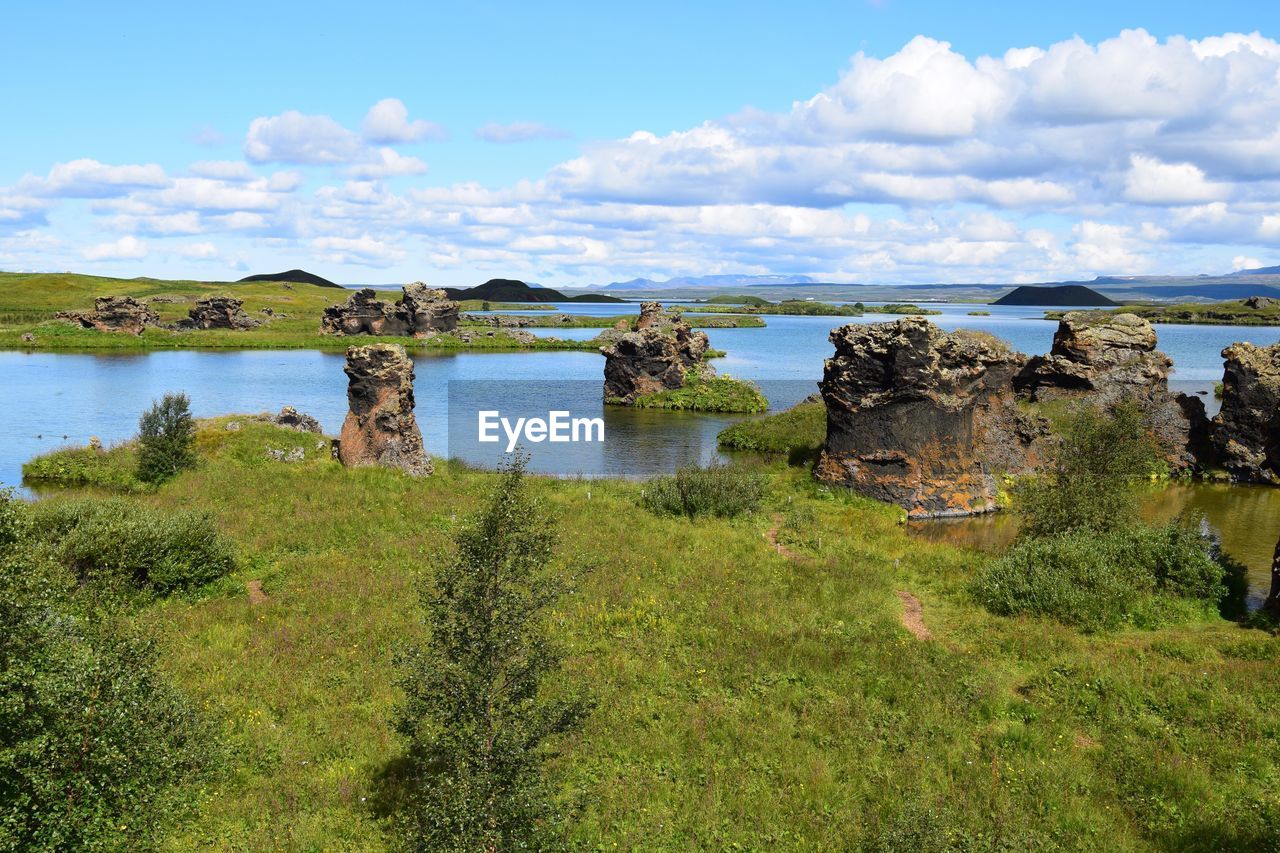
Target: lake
[(56, 400)]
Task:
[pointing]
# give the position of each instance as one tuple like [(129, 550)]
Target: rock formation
[(1106, 358), (291, 418), (380, 428), (652, 316), (1246, 432), (656, 358), (1111, 356), (420, 312), (915, 414), (218, 312), (114, 314)]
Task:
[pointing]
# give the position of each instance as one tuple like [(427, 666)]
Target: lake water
[(54, 400)]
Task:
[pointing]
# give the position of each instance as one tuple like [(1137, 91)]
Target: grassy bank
[(587, 321), (29, 301), (716, 394), (756, 685), (1233, 313)]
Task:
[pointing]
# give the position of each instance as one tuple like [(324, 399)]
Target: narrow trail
[(256, 595), (912, 616)]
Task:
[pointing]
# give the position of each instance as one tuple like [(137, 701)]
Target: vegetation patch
[(795, 307), (798, 432), (114, 469), (723, 491), (715, 394)]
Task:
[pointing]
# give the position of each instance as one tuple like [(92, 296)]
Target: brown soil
[(912, 617), (256, 595), (772, 535)]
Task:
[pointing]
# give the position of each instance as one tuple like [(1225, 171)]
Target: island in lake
[(1072, 295)]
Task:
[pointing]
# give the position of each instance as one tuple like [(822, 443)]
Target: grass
[(798, 431), (901, 308), (111, 470), (717, 394), (746, 699), (1229, 313), (28, 302), (588, 321)]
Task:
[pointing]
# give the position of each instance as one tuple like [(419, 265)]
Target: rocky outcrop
[(915, 415), (291, 418), (114, 314), (1246, 432), (652, 316), (420, 312), (380, 428), (427, 309), (651, 360), (1111, 356), (1106, 358), (218, 312)]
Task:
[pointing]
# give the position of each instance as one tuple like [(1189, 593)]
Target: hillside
[(1066, 294), (293, 276), (511, 290)]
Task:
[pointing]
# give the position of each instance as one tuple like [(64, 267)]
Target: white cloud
[(126, 248), (223, 170), (199, 251), (1243, 262), (388, 163), (292, 137), (86, 178), (1152, 182), (387, 122), (519, 131), (363, 250)]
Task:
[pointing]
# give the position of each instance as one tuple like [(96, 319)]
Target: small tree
[(166, 434), (1089, 483), (476, 714)]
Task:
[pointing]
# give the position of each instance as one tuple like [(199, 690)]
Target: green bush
[(1098, 580), (166, 439), (716, 394), (1089, 482), (114, 469), (118, 540), (95, 747), (718, 490)]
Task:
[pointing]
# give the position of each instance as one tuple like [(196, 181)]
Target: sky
[(573, 144)]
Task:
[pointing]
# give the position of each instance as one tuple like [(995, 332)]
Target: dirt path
[(912, 617), (256, 595), (772, 535)]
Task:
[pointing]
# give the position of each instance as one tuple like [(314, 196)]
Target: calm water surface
[(54, 400)]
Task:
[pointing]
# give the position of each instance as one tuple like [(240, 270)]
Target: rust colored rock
[(1246, 432), (380, 428), (218, 312), (114, 314), (652, 359), (915, 415), (420, 312)]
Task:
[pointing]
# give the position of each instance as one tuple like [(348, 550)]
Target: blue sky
[(505, 140)]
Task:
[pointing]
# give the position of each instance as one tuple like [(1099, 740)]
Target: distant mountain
[(1072, 295), (1258, 271), (295, 276), (710, 281), (511, 290)]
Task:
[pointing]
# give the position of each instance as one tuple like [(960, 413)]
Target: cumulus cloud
[(86, 178), (387, 122), (292, 137), (363, 250), (519, 131), (387, 163), (1152, 182), (126, 248), (199, 251)]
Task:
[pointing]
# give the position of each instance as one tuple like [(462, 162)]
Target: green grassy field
[(1231, 313), (29, 301), (757, 687)]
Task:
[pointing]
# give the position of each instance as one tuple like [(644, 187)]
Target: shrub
[(166, 439), (716, 394), (476, 717), (1088, 484), (118, 540), (95, 747), (1098, 580), (719, 490)]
